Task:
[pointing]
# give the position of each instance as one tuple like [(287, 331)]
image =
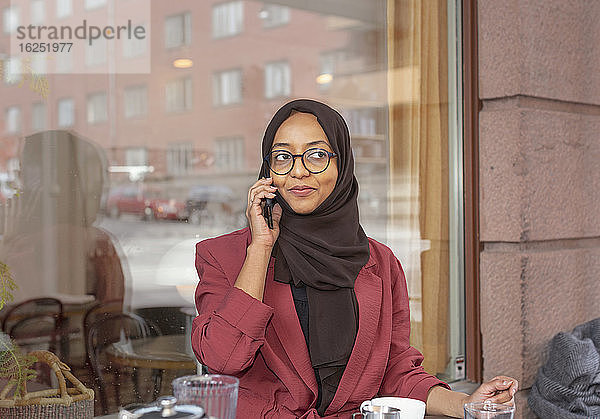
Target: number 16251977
[(45, 46)]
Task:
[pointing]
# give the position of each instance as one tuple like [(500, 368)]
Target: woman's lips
[(302, 191)]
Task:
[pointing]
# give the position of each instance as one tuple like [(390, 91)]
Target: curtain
[(418, 126)]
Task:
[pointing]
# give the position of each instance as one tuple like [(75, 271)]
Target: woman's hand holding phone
[(261, 233)]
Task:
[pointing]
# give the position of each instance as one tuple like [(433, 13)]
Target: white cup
[(409, 408)]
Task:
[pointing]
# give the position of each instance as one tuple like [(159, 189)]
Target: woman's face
[(303, 191)]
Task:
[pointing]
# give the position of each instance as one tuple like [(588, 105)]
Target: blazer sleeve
[(404, 376), (230, 326)]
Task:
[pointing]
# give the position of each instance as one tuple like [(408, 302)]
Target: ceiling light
[(183, 63), (324, 78)]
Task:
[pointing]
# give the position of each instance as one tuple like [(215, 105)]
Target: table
[(116, 415), (166, 352)]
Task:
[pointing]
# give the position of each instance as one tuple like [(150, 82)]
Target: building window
[(277, 79), (179, 158), (94, 4), (96, 108), (178, 30), (64, 8), (136, 156), (227, 19), (13, 120), (38, 64), (273, 15), (178, 95), (227, 87), (10, 19), (134, 47), (12, 71), (66, 113), (229, 154), (95, 54), (38, 116), (328, 62), (64, 63), (136, 101), (37, 12)]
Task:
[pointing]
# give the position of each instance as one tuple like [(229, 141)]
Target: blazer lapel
[(368, 288), (287, 328)]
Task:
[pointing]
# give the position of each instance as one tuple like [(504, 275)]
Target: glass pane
[(108, 181)]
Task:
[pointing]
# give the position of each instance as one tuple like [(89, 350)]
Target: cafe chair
[(35, 324), (98, 311), (105, 333)]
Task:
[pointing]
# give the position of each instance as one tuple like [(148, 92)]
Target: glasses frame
[(294, 156)]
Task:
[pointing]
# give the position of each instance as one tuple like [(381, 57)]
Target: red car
[(146, 202)]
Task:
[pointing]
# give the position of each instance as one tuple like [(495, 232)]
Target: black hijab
[(324, 251)]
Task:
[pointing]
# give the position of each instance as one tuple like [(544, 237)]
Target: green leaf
[(14, 365)]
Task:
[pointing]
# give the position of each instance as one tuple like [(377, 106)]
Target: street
[(158, 259)]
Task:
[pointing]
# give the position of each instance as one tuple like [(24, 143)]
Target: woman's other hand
[(500, 389), (262, 235), (441, 401)]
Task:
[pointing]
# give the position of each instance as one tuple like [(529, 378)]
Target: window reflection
[(181, 146)]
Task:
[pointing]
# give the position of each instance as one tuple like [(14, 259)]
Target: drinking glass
[(217, 394), (378, 412), (487, 410)]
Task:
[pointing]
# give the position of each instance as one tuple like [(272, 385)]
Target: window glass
[(227, 19), (178, 30), (136, 156), (227, 87), (229, 154), (37, 11), (10, 19), (277, 79), (95, 54), (179, 95), (38, 116), (179, 158), (13, 120), (136, 101), (96, 108), (66, 113), (12, 71), (94, 4), (113, 178), (135, 47), (273, 15), (64, 8)]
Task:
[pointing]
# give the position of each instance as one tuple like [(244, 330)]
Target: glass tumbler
[(487, 410), (217, 394)]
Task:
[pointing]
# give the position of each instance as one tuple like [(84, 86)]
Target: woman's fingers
[(505, 389), (260, 190)]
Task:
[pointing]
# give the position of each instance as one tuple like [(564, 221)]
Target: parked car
[(148, 203)]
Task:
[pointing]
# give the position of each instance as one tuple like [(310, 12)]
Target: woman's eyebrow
[(311, 143)]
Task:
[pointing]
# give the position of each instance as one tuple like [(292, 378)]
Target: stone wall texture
[(539, 139)]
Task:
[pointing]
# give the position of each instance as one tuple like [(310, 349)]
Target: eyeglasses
[(315, 160)]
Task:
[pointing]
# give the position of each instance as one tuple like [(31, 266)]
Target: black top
[(301, 304)]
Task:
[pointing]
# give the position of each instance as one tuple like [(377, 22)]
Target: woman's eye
[(318, 155), (282, 157)]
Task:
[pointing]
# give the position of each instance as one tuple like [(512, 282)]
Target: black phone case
[(269, 203)]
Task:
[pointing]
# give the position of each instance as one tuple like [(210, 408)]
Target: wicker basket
[(63, 402)]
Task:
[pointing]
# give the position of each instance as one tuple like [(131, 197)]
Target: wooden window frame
[(472, 105)]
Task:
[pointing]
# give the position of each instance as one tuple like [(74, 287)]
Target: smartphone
[(268, 204)]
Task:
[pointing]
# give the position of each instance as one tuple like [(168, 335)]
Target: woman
[(312, 316)]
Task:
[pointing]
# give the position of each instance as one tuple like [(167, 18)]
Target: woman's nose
[(298, 169)]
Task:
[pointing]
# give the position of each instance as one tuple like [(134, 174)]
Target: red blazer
[(262, 343)]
